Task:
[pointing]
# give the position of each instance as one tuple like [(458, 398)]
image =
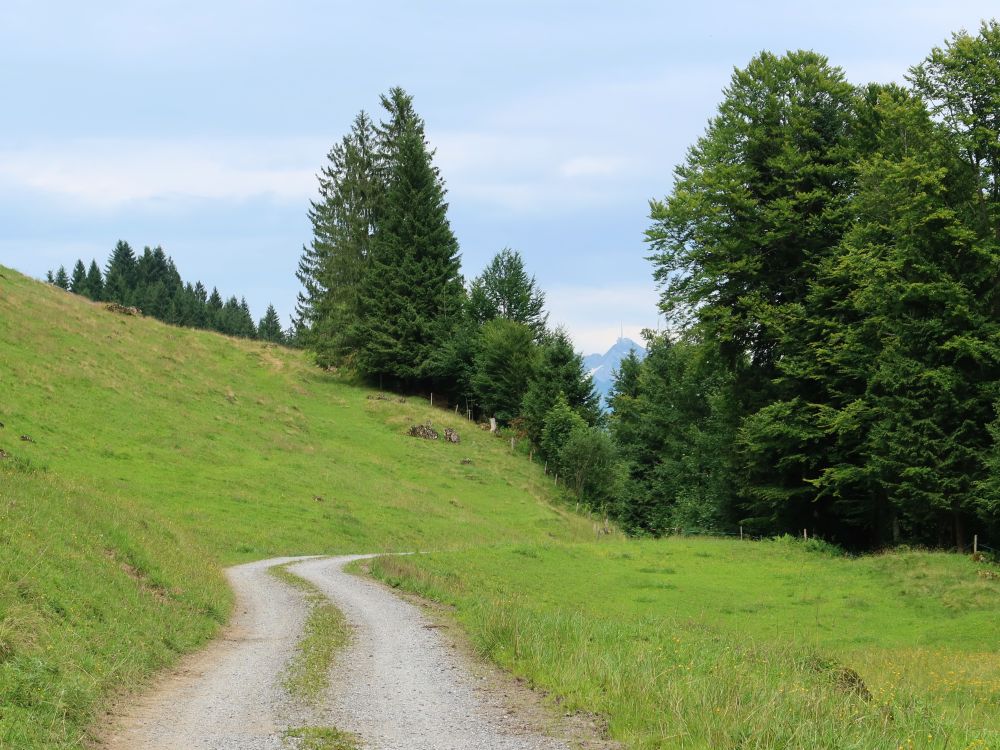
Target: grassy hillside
[(159, 454), (726, 644)]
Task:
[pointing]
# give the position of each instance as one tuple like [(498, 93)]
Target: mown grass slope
[(701, 643), (155, 455)]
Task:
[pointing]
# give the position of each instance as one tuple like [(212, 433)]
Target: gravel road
[(229, 695), (398, 685)]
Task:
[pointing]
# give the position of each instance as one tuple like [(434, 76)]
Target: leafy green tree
[(95, 282), (119, 275), (411, 296), (504, 290), (760, 200), (959, 82), (504, 365), (78, 281), (61, 278), (269, 328), (589, 462), (560, 422), (560, 370)]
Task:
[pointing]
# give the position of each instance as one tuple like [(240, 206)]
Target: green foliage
[(95, 282), (589, 461), (269, 328), (411, 294), (351, 194), (504, 290), (672, 419), (560, 422), (560, 370), (832, 254), (959, 82), (61, 279), (119, 274), (504, 364), (78, 281)]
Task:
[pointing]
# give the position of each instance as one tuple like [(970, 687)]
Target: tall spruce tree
[(344, 217), (411, 295), (61, 279)]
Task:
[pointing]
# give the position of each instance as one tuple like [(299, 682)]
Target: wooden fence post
[(975, 544)]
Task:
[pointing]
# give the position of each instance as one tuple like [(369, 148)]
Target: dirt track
[(399, 685)]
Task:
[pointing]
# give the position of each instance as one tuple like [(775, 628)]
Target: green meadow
[(705, 643), (154, 456)]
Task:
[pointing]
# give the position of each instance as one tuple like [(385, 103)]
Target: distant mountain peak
[(602, 367)]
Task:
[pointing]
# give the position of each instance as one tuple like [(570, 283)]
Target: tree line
[(151, 282), (828, 264)]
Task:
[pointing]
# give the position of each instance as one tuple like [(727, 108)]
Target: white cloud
[(109, 173)]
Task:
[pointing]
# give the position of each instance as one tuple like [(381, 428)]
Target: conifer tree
[(78, 281), (245, 326), (95, 283), (213, 310), (559, 370), (411, 293), (61, 278), (119, 275), (344, 219), (269, 328), (504, 290)]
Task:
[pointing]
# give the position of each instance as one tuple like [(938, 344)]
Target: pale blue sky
[(199, 126)]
